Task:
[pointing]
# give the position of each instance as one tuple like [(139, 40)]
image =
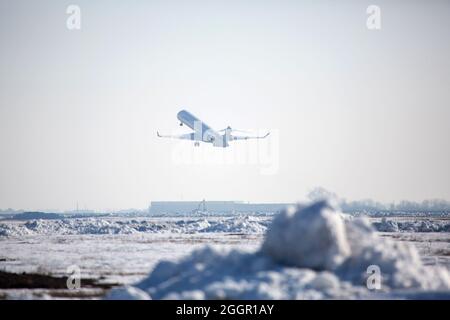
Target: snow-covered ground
[(104, 226), (417, 224), (116, 258), (127, 251), (115, 250)]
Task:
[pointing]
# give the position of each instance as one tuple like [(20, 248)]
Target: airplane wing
[(187, 136), (233, 137)]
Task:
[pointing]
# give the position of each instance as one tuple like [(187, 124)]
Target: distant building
[(216, 207)]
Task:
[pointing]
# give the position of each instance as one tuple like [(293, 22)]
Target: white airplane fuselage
[(202, 132)]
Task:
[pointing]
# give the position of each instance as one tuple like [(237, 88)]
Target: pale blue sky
[(362, 113)]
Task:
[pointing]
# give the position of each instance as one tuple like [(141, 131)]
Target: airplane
[(204, 133)]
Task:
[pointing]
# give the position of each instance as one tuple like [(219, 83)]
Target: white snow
[(211, 273), (93, 226), (422, 225), (127, 293), (311, 253), (293, 239), (117, 258), (400, 263), (234, 225)]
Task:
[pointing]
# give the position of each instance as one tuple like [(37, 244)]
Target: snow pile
[(94, 226), (239, 225), (221, 274), (308, 253), (324, 252), (127, 293), (244, 225), (386, 225), (389, 225), (7, 230), (79, 226), (399, 262)]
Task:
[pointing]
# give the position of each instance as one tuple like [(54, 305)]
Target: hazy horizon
[(363, 113)]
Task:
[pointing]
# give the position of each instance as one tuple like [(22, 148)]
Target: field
[(118, 251)]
